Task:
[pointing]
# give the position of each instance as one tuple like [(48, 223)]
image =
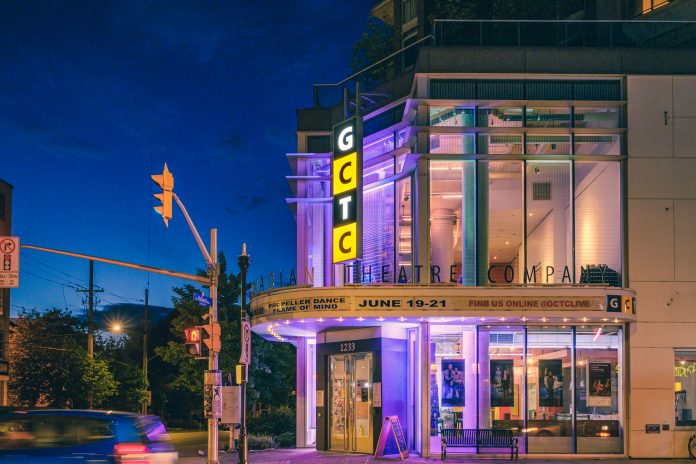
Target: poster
[(452, 382), (502, 383), (599, 384), (550, 382)]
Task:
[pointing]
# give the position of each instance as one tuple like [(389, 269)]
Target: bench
[(478, 438)]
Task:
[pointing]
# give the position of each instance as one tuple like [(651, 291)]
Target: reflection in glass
[(598, 396), (549, 390), (588, 117), (499, 117), (501, 392)]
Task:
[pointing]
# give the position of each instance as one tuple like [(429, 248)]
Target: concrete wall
[(662, 251)]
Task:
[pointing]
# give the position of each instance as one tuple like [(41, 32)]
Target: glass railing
[(564, 33)]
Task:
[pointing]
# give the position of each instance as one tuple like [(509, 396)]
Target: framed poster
[(550, 382), (452, 382), (502, 383), (599, 384)]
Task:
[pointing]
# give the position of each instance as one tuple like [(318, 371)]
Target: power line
[(31, 258), (49, 280), (62, 279)]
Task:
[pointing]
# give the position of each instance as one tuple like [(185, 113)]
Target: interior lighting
[(302, 321), (402, 318), (598, 332), (451, 196), (502, 318), (380, 319), (287, 321), (340, 319), (543, 319), (584, 319), (524, 319), (361, 318), (616, 320), (483, 319), (321, 319), (565, 319)]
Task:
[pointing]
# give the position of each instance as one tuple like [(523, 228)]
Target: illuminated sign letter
[(346, 188)]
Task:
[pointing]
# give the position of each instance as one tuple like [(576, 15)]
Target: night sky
[(96, 96)]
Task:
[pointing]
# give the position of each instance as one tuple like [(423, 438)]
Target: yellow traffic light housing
[(211, 336), (166, 182)]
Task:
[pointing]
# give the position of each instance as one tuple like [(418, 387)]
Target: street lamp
[(243, 260), (118, 328)]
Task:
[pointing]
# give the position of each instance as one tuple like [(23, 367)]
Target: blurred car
[(75, 436)]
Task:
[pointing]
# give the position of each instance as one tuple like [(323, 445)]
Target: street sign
[(9, 271), (245, 356), (231, 402), (202, 300)]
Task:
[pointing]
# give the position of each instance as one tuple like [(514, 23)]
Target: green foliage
[(97, 379), (275, 423), (46, 359), (272, 368), (375, 43), (286, 440), (260, 442)]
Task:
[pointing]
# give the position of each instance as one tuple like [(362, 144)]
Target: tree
[(376, 42), (49, 364), (272, 369)]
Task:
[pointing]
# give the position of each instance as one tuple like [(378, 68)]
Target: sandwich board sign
[(390, 437)]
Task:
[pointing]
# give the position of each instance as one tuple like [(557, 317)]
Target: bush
[(286, 440), (275, 423), (260, 442)]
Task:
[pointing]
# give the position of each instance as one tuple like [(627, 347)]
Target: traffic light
[(211, 336), (193, 341), (166, 183)]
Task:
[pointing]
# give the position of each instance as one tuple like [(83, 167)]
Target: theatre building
[(516, 251)]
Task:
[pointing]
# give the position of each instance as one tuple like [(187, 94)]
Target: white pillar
[(301, 394)]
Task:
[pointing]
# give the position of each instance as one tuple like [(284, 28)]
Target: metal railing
[(327, 95)]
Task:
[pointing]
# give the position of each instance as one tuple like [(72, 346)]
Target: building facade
[(5, 230), (526, 219)]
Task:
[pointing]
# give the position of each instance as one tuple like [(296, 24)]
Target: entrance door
[(350, 415)]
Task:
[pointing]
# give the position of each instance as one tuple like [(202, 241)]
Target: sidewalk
[(288, 456)]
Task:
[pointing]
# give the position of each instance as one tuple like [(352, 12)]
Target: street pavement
[(290, 456)]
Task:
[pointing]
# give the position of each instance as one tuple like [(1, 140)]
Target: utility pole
[(90, 323), (146, 401), (243, 260)]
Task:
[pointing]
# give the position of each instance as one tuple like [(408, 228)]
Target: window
[(549, 223), (605, 144), (548, 145), (606, 118), (452, 221), (500, 117), (598, 223), (685, 387), (499, 144), (452, 116), (454, 144), (548, 117), (378, 224), (501, 221), (409, 10), (404, 231)]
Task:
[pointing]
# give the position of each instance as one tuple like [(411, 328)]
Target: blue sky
[(97, 95)]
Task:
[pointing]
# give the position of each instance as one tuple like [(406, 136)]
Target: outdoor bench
[(478, 438)]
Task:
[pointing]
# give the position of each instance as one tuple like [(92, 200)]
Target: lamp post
[(243, 260)]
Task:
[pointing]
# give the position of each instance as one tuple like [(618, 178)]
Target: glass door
[(350, 412)]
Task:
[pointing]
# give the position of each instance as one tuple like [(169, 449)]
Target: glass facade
[(559, 389), (685, 387)]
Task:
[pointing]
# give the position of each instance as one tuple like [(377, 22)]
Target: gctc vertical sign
[(346, 186)]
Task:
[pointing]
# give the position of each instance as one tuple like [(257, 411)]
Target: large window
[(549, 390), (598, 223), (457, 144), (549, 223), (377, 264), (501, 222), (404, 231), (598, 393), (562, 395), (452, 221), (685, 387)]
